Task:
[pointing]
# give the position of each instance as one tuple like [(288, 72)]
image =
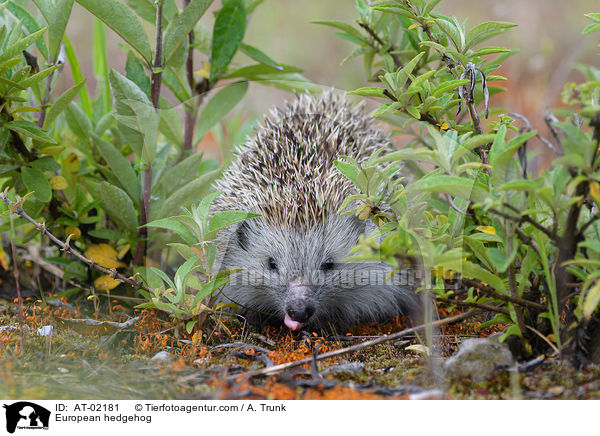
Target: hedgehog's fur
[(286, 174)]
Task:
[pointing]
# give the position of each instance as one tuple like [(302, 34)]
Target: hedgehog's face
[(297, 275)]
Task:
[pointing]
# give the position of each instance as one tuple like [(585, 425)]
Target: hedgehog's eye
[(327, 265), (272, 264)]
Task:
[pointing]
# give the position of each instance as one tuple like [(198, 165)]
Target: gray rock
[(345, 368), (161, 356), (478, 358)]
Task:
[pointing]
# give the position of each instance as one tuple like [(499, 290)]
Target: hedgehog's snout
[(299, 307)]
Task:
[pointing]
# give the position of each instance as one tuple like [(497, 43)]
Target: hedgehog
[(292, 257)]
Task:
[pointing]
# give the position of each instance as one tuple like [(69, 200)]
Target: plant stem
[(190, 109), (18, 285), (155, 82), (46, 100)]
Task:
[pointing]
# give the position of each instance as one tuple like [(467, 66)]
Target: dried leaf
[(104, 255)]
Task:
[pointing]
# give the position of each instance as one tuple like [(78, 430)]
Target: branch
[(522, 219), (487, 290), (487, 307), (155, 82), (190, 110), (18, 209), (362, 345), (424, 117), (370, 31)]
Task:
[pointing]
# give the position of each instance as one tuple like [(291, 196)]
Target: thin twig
[(487, 290), (363, 345), (548, 341), (523, 218), (18, 209), (18, 286), (370, 31), (483, 306)]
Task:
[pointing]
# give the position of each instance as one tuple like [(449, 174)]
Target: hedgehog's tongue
[(293, 325)]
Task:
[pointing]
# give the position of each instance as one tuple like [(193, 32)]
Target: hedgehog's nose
[(300, 312)]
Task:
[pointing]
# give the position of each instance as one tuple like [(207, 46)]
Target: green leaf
[(61, 103), (123, 21), (136, 117), (177, 227), (259, 56), (187, 194), (146, 9), (349, 29), (591, 301), (260, 71), (135, 72), (78, 121), (228, 32), (179, 175), (448, 86), (120, 167), (45, 7), (486, 30), (118, 206), (30, 24), (36, 181), (470, 270), (181, 276), (38, 77), (15, 49), (181, 25), (58, 24), (369, 91), (228, 217), (455, 186), (219, 106), (27, 128), (77, 77), (590, 28)]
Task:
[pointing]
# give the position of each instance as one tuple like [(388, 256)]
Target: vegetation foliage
[(485, 231)]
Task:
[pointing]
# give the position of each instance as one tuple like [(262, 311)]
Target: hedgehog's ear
[(242, 235)]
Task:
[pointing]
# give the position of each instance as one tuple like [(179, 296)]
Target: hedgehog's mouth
[(292, 325)]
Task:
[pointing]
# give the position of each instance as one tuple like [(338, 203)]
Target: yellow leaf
[(197, 337), (27, 109), (486, 229), (595, 191), (52, 150), (3, 262), (413, 26), (72, 230), (205, 71), (58, 182), (104, 255), (106, 283), (123, 251), (71, 163)]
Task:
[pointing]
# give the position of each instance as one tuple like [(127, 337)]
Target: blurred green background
[(548, 36)]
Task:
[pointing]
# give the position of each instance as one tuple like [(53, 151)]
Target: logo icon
[(26, 415)]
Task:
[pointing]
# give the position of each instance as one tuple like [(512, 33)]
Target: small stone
[(478, 358), (434, 394), (345, 368), (161, 356)]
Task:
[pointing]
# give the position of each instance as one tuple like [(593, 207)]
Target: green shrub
[(100, 168), (524, 246)]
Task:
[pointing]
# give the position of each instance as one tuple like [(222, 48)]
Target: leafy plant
[(101, 166), (185, 295), (486, 232)]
